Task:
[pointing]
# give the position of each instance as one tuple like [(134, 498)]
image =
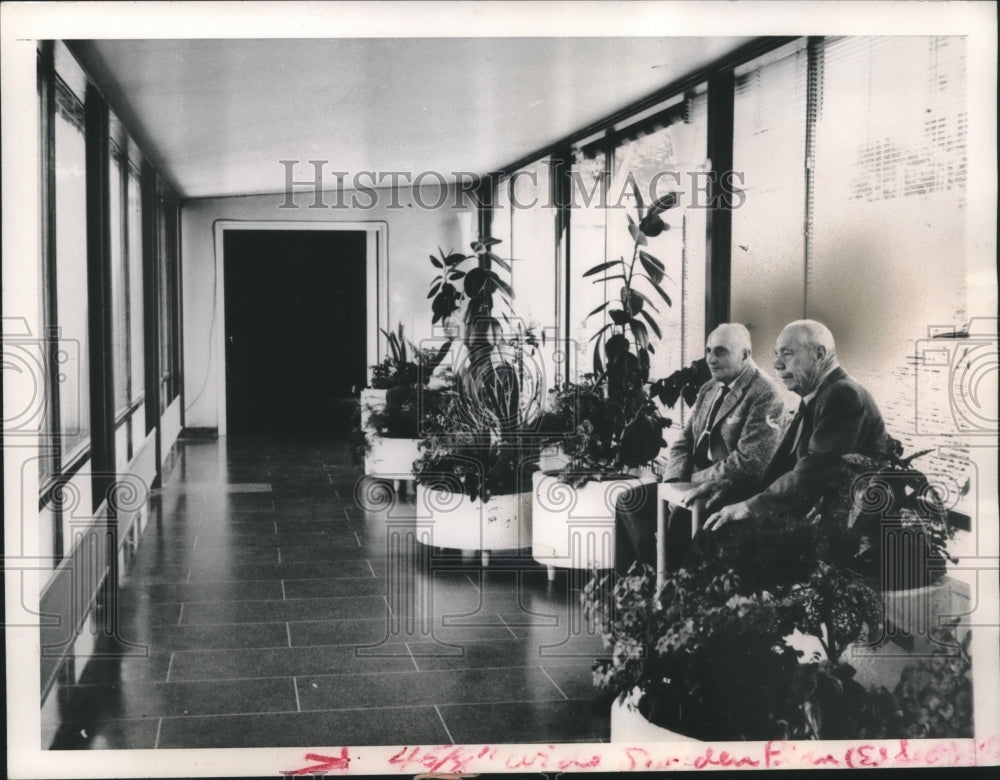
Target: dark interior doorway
[(295, 329)]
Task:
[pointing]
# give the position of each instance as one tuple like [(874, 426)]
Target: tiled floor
[(268, 610)]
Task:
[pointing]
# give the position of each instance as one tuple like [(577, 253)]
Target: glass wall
[(71, 279)]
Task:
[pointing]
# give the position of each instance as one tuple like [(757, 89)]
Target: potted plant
[(750, 639), (391, 408), (712, 655), (617, 426), (474, 471)]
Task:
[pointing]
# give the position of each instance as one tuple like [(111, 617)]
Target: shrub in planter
[(888, 501), (709, 653), (479, 441)]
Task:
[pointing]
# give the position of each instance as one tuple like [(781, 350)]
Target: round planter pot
[(502, 523), (629, 725), (574, 527), (392, 458)]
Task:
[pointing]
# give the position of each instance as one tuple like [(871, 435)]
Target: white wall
[(417, 226)]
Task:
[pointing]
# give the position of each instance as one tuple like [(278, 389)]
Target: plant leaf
[(640, 333), (645, 299), (652, 325), (609, 278), (455, 258), (655, 273), (620, 317), (437, 263), (662, 294), (501, 284), (455, 275), (606, 327), (599, 308), (654, 260), (603, 267), (499, 261), (634, 231)]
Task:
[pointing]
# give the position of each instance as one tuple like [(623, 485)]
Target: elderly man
[(729, 436), (836, 416)]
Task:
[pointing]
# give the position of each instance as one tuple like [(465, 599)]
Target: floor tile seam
[(437, 704), (328, 644), (290, 712), (159, 727), (561, 691), (79, 686), (500, 618), (188, 602), (182, 579), (427, 671), (256, 579), (267, 622), (447, 731), (295, 687)]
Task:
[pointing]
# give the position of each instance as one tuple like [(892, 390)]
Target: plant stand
[(392, 459), (574, 528), (502, 523)]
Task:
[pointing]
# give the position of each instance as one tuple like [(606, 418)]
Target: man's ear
[(820, 351)]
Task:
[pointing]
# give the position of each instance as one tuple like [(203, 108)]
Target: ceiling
[(216, 116)]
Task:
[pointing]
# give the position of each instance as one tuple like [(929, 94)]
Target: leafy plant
[(481, 442), (604, 438), (479, 285), (933, 698), (619, 427), (409, 411), (708, 650), (399, 369), (632, 323), (885, 499)]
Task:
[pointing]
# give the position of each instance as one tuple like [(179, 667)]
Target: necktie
[(702, 451), (795, 430)]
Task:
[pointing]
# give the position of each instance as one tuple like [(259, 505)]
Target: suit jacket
[(842, 418), (746, 430)]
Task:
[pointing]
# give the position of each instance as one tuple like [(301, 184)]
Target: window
[(657, 156), (137, 350), (769, 152), (69, 210), (119, 280), (168, 299), (588, 237)]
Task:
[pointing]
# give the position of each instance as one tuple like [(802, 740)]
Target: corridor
[(265, 607)]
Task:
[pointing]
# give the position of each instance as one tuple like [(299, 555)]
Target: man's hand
[(713, 494), (729, 513)]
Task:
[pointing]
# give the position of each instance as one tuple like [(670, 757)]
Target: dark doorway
[(295, 329)]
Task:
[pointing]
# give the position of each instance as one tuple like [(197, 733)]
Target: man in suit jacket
[(836, 416), (735, 424)]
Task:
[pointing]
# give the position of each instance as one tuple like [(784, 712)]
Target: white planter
[(391, 458), (574, 528), (502, 523), (629, 725)]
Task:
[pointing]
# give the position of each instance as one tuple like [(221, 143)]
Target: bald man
[(734, 426), (836, 416)]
